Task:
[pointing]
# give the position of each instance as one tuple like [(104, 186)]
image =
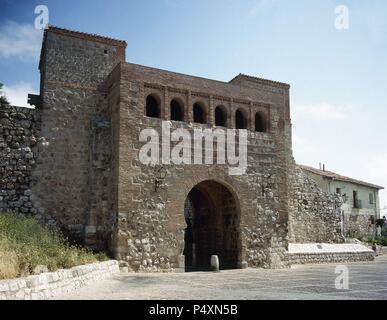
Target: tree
[(3, 98)]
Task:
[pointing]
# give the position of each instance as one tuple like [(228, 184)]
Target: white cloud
[(19, 40), (324, 111), (17, 94)]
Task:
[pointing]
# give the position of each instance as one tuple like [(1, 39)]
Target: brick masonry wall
[(19, 134), (151, 224), (52, 284)]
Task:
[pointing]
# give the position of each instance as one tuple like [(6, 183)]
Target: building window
[(240, 120), (152, 108), (260, 124), (221, 116), (199, 116), (372, 200), (177, 111), (356, 201)]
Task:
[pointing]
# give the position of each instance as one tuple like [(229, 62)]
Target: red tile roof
[(338, 177), (259, 80)]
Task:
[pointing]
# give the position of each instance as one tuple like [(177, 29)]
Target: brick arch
[(180, 192), (221, 116), (187, 187), (153, 105), (182, 109), (241, 119), (200, 104), (260, 122), (214, 226)]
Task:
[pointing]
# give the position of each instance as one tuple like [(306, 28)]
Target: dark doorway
[(212, 218)]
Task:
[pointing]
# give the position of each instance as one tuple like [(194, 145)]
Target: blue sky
[(337, 77)]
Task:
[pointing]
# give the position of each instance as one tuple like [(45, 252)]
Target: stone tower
[(72, 174)]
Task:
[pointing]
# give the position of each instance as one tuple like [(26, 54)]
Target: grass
[(25, 244)]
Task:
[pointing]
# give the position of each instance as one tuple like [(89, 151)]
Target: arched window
[(260, 125), (199, 115), (152, 108), (177, 110), (240, 120), (221, 116)]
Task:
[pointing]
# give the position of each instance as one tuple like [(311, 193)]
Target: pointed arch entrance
[(212, 216)]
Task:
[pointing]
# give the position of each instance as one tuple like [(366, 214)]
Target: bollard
[(181, 262), (242, 265), (214, 263)]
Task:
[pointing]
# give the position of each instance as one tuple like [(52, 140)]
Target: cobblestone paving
[(367, 280)]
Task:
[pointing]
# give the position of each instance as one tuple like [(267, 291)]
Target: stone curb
[(51, 284), (320, 258)]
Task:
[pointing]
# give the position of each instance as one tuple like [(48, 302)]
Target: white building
[(361, 206)]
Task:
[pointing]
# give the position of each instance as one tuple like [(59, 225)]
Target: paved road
[(367, 280)]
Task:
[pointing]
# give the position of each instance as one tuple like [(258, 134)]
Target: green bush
[(25, 244), (384, 230), (382, 240)]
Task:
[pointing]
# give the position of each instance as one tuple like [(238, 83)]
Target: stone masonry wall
[(19, 132), (307, 258), (328, 253), (72, 177), (314, 215), (52, 284), (358, 226)]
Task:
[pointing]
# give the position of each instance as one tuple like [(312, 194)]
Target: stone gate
[(84, 172)]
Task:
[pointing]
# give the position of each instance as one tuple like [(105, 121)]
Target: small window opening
[(198, 114), (260, 125), (152, 107), (177, 111), (240, 121), (220, 117)]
